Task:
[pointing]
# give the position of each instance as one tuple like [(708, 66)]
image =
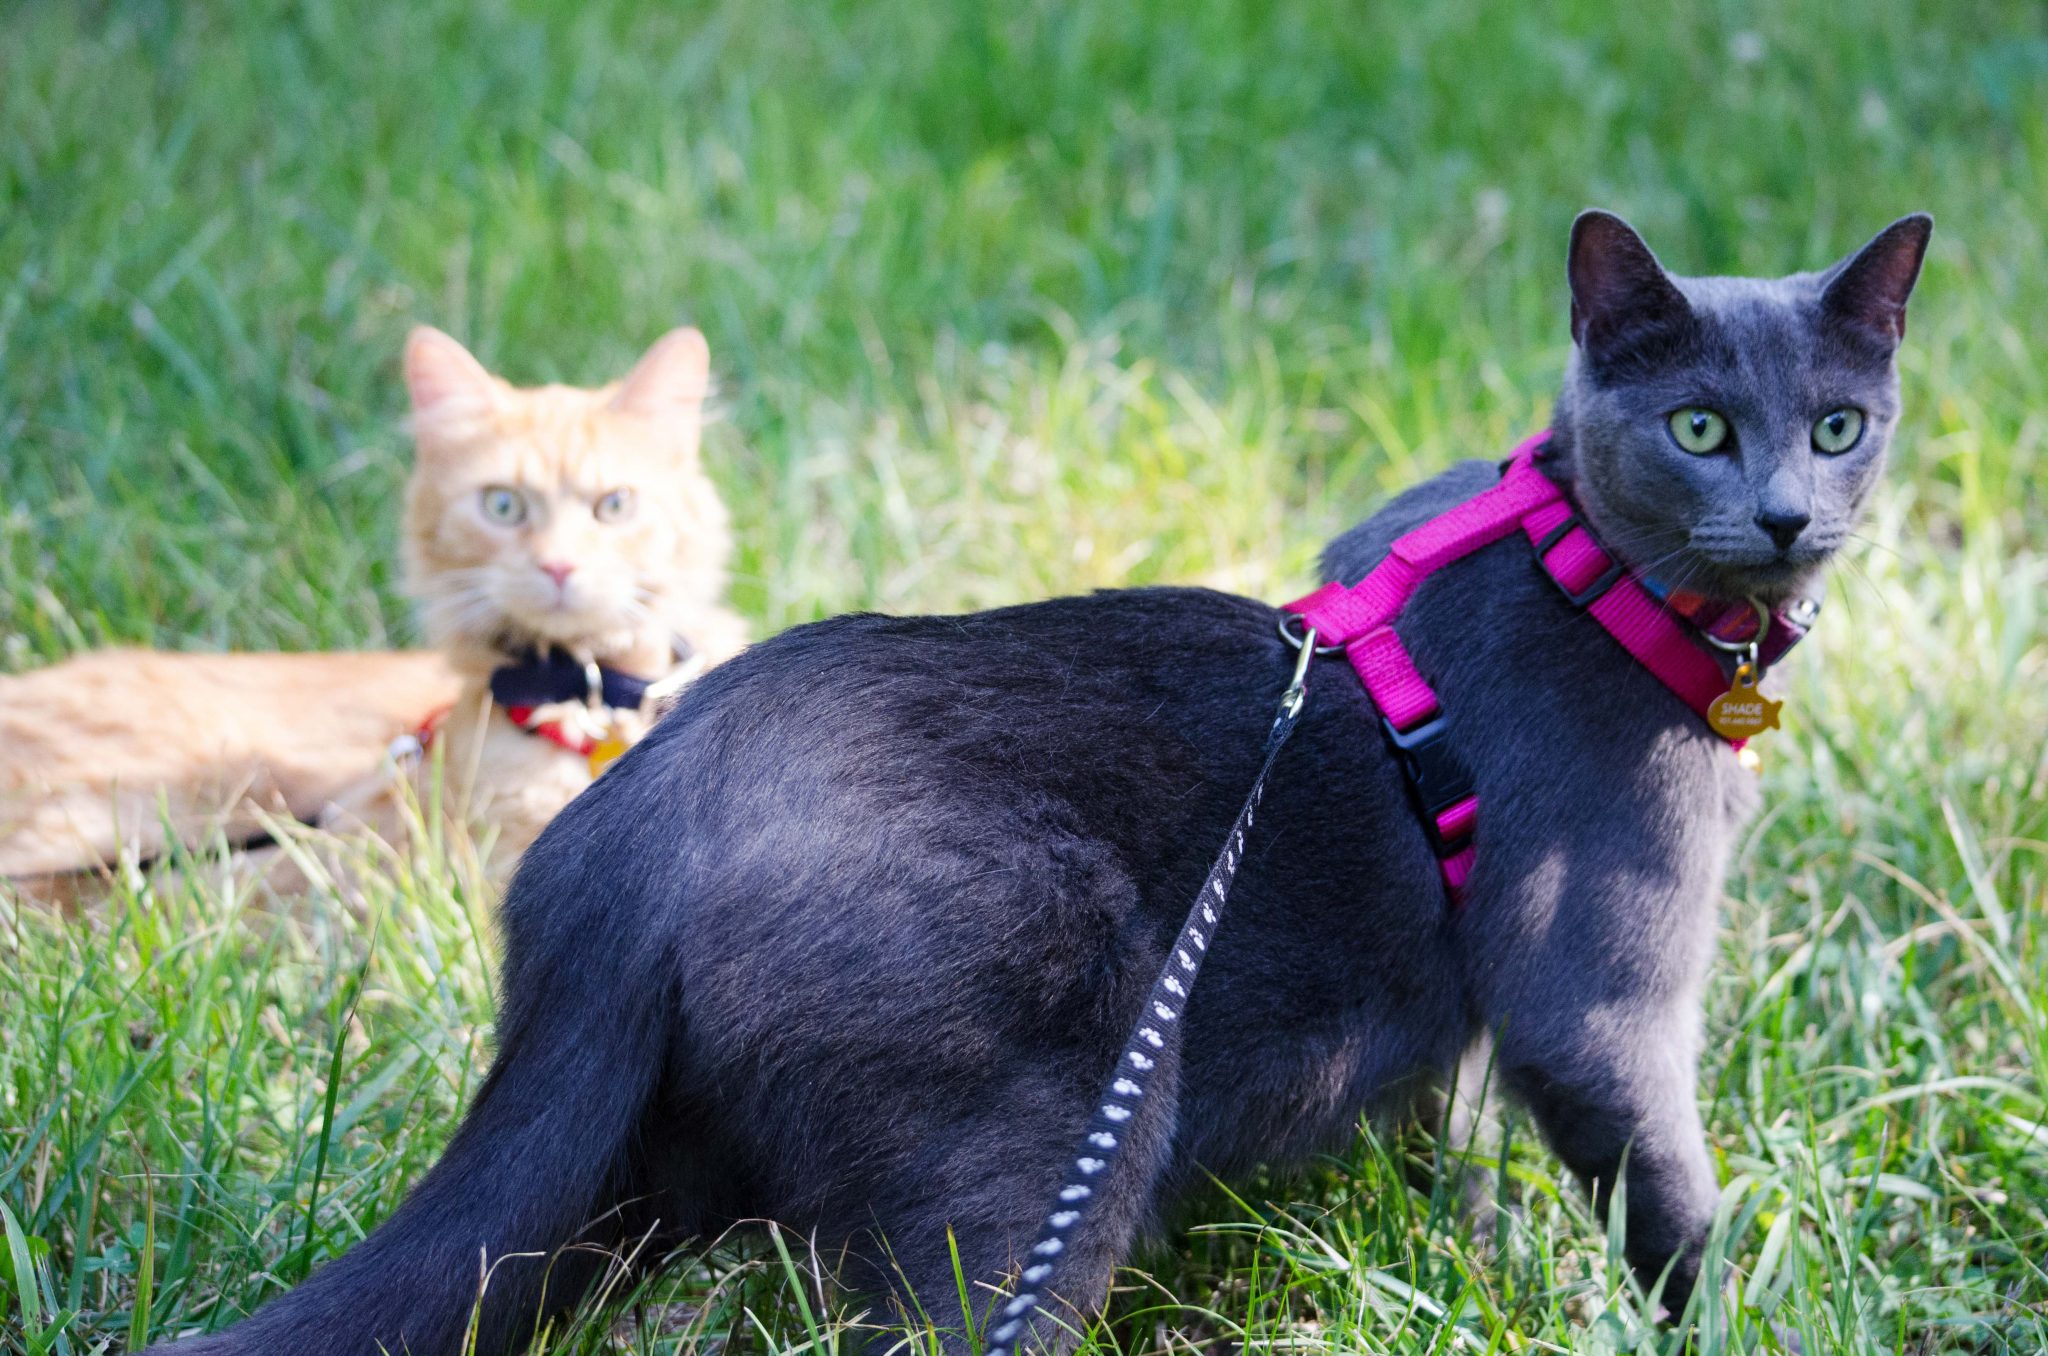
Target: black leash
[(1157, 1032)]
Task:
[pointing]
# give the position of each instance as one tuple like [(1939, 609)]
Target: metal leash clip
[(1297, 687), (1307, 636)]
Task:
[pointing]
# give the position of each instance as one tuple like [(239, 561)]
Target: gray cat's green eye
[(1838, 430), (615, 507), (504, 506), (1698, 431)]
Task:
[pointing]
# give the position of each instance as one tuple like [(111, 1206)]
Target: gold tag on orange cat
[(1742, 711), (606, 750)]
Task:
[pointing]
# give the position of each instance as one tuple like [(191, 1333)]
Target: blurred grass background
[(1005, 301)]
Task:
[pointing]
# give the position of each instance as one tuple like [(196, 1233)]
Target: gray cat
[(852, 939)]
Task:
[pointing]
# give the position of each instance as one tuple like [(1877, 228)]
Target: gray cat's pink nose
[(1782, 527)]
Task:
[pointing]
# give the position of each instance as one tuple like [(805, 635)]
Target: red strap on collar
[(429, 729), (1361, 619), (554, 731), (1737, 624)]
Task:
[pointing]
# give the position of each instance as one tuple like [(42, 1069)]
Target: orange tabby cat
[(551, 535), (555, 536)]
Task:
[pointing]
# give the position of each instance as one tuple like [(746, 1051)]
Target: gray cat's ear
[(674, 377), (1870, 288), (444, 380), (1617, 284)]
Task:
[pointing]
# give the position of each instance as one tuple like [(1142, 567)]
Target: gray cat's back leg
[(907, 1039), (988, 1192)]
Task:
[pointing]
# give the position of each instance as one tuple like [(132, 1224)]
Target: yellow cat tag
[(606, 750), (1742, 711)]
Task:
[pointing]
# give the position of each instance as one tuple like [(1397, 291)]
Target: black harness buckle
[(1590, 594), (1437, 777)]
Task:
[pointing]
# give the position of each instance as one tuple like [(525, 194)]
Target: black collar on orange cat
[(544, 677), (541, 678)]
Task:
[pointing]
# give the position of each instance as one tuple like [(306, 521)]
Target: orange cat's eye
[(615, 507), (504, 505)]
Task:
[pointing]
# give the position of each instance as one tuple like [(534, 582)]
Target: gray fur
[(852, 938), (1772, 356)]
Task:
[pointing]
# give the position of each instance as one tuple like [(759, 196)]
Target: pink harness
[(1361, 620)]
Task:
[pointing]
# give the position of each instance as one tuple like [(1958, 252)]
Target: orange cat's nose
[(559, 571)]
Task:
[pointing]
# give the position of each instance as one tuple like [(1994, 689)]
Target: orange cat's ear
[(672, 378), (444, 380)]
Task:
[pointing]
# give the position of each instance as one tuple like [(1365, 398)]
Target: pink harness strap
[(1361, 619), (1619, 602)]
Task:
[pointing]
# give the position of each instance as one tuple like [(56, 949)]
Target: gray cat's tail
[(547, 1150)]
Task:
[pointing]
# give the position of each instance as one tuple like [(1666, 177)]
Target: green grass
[(1009, 300)]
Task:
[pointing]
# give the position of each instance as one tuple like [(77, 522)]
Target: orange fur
[(99, 753), (101, 750), (636, 581)]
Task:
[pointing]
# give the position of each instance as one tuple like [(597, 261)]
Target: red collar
[(599, 751), (577, 741), (1657, 632), (1733, 626)]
